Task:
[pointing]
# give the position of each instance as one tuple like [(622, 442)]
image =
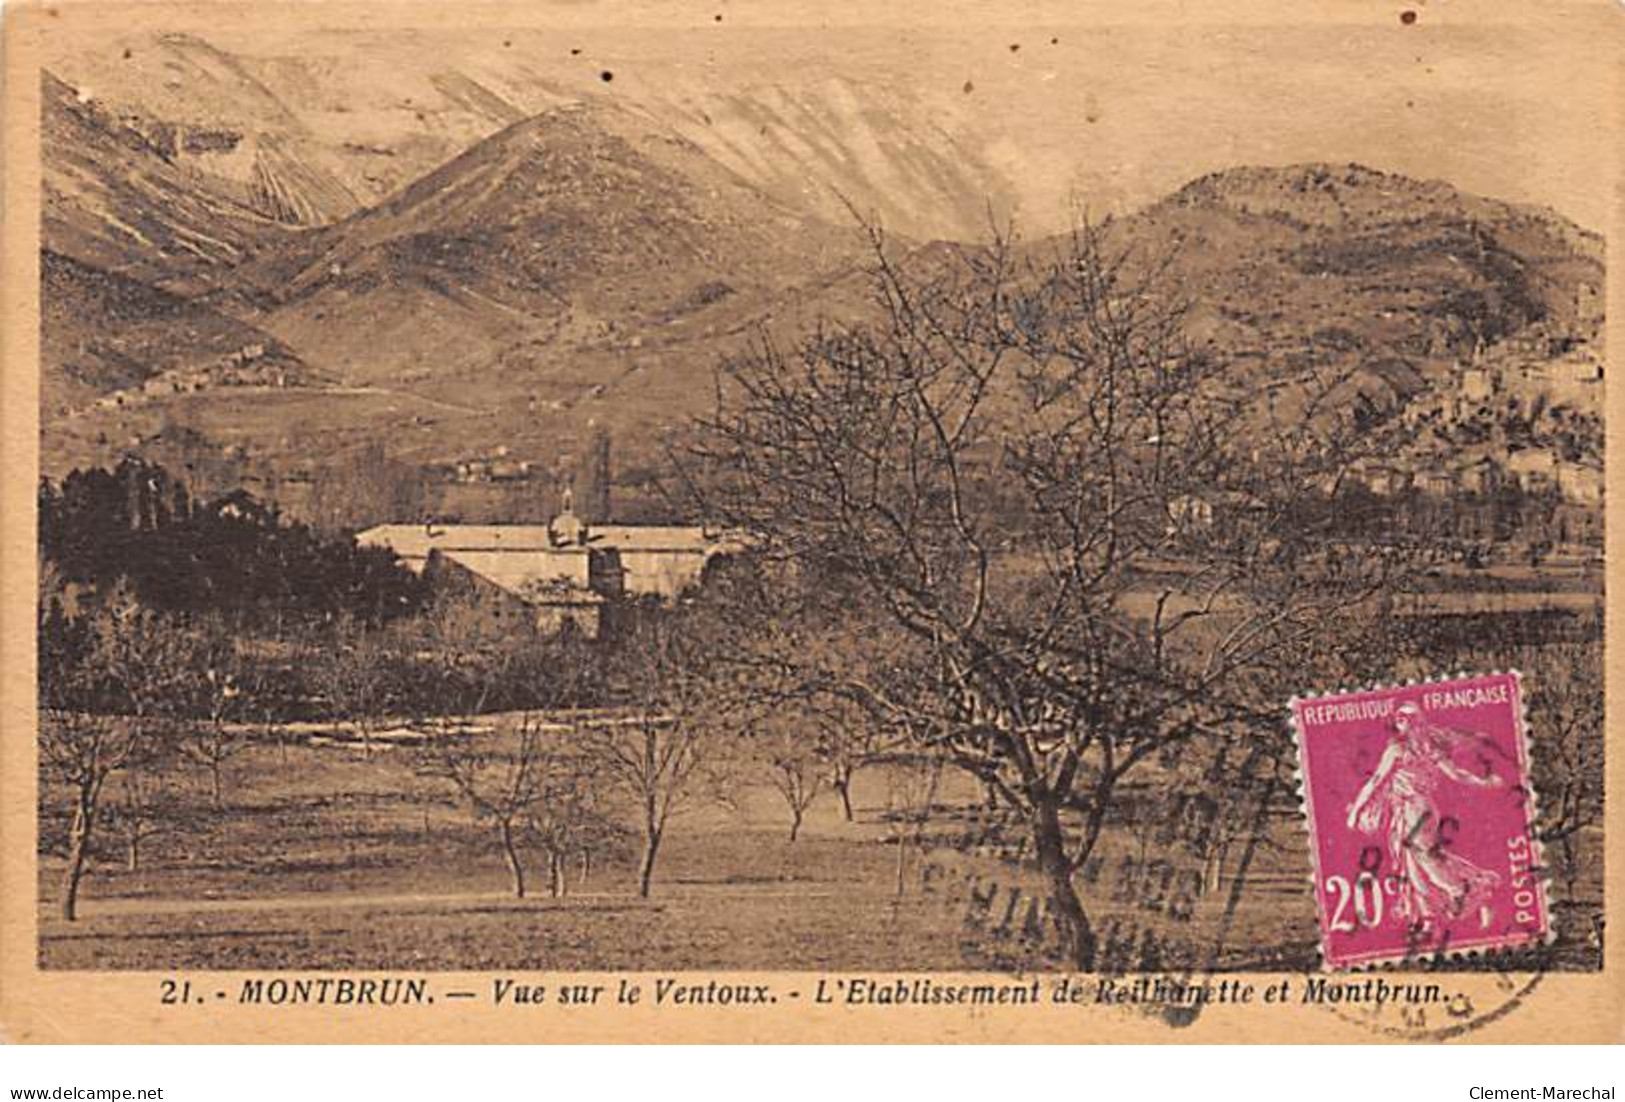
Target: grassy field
[(324, 858)]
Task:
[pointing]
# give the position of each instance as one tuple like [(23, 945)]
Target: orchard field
[(324, 857)]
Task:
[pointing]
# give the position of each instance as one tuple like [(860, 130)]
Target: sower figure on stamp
[(1400, 800)]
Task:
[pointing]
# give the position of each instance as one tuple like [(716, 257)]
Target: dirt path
[(328, 901), (333, 901)]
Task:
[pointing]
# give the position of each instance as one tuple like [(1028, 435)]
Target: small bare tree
[(571, 825), (1566, 712), (794, 768), (83, 751), (659, 755), (354, 676), (139, 810), (209, 738), (503, 779), (102, 707), (912, 782), (847, 747)]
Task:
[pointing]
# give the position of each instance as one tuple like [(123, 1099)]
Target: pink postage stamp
[(1419, 806)]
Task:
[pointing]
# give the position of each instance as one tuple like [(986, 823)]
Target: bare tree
[(571, 824), (101, 712), (270, 686), (660, 753), (794, 767), (208, 738), (791, 675), (138, 811), (847, 747), (1566, 712), (1095, 539), (354, 676), (83, 750), (912, 782), (503, 779)]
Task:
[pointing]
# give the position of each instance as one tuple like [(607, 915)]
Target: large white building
[(565, 571)]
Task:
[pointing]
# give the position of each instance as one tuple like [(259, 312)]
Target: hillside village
[(1534, 399)]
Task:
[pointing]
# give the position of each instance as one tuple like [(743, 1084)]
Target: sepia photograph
[(969, 514)]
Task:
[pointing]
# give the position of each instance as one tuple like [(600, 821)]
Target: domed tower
[(566, 528)]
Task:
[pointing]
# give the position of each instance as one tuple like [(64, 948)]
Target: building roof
[(415, 541), (624, 537)]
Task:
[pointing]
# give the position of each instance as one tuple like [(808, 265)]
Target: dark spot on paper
[(1055, 42), (719, 17), (969, 87), (1014, 46), (606, 76), (575, 51), (1407, 17), (126, 53), (506, 42)]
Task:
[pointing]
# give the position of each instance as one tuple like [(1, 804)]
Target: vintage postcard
[(809, 522)]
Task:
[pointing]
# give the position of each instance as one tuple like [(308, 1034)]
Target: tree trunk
[(646, 867), (214, 783), (1215, 867), (132, 852), (555, 874), (586, 867), (843, 788), (990, 796), (515, 869), (1077, 937), (78, 849), (902, 863), (795, 824), (1571, 871)]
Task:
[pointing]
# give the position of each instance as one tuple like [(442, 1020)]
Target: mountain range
[(526, 262)]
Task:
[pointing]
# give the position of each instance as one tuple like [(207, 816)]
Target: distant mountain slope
[(136, 258), (111, 200), (1327, 261), (1391, 281), (838, 149), (102, 332), (583, 224), (320, 136), (592, 264), (217, 120)]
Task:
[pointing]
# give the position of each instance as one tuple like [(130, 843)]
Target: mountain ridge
[(587, 265)]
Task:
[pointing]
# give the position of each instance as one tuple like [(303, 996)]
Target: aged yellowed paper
[(803, 522)]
